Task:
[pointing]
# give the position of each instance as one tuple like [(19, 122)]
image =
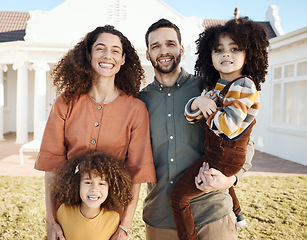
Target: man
[(177, 144)]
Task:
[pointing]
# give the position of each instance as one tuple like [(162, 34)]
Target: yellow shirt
[(77, 227)]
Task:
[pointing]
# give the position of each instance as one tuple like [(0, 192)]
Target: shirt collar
[(183, 76)]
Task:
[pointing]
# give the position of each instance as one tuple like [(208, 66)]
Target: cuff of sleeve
[(49, 162), (192, 116), (188, 108)]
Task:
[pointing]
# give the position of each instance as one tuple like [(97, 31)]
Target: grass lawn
[(274, 208)]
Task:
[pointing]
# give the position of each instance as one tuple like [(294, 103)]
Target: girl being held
[(232, 63), (92, 189)]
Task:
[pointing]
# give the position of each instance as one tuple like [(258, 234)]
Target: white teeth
[(94, 198), (165, 60), (106, 65), (226, 62)]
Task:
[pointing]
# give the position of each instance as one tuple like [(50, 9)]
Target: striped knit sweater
[(240, 107)]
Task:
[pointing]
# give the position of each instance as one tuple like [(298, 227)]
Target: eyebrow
[(102, 44), (168, 41)]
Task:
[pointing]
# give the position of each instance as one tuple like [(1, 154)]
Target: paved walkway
[(263, 164)]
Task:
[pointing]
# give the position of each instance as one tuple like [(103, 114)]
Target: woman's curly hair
[(74, 75), (66, 184), (250, 37)]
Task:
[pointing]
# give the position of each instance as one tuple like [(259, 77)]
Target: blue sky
[(292, 12)]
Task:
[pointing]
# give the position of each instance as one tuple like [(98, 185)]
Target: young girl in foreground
[(233, 57), (91, 188)]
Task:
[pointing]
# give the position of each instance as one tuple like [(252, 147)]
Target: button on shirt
[(176, 145), (120, 129)]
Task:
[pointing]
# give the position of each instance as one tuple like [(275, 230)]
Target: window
[(277, 72), (289, 104), (276, 102)]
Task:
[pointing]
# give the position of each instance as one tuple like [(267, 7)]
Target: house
[(281, 128), (32, 43)]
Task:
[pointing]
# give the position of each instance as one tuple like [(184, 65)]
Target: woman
[(97, 111)]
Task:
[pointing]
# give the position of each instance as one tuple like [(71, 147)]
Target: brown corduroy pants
[(225, 156)]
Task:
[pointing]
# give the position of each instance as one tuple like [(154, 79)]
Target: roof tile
[(13, 25)]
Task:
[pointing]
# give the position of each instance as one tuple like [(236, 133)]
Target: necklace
[(109, 100)]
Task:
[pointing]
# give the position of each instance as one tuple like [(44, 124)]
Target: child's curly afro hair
[(250, 37), (66, 184)]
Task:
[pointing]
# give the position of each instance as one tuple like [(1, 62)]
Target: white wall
[(288, 142)]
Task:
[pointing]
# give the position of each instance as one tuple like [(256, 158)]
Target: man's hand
[(212, 179)]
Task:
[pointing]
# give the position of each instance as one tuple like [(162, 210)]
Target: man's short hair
[(162, 23)]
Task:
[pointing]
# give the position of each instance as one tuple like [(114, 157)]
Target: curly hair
[(66, 184), (73, 75), (250, 37)]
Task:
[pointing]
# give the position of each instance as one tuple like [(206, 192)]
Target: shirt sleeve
[(241, 105), (52, 153), (192, 116), (140, 159)]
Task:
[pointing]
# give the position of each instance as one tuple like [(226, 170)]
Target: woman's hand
[(54, 231), (128, 214), (120, 234), (210, 179)]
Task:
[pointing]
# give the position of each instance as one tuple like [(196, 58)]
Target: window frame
[(281, 126)]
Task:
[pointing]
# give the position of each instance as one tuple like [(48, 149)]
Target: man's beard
[(167, 70)]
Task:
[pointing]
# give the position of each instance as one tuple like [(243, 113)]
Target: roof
[(13, 26), (213, 22)]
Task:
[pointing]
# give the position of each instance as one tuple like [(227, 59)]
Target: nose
[(94, 186), (164, 49), (107, 54), (226, 54)]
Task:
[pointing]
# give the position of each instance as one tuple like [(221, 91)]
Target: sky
[(292, 12)]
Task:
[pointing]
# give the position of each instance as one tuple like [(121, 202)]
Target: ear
[(147, 55), (124, 59), (181, 50)]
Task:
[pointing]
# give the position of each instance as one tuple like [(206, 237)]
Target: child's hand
[(205, 105), (209, 94)]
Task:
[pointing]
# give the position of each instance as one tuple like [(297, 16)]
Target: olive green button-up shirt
[(176, 144)]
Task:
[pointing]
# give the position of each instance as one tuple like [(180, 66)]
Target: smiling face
[(93, 192), (164, 50), (107, 55), (228, 59)]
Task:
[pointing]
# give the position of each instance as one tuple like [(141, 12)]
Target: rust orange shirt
[(120, 129)]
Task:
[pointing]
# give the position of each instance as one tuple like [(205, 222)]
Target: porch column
[(40, 69), (3, 68), (21, 102)]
